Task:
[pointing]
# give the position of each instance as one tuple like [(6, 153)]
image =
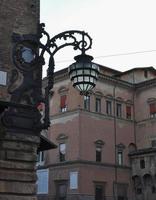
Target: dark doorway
[(121, 198), (61, 190), (99, 192)]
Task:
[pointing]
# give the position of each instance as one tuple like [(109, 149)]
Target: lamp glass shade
[(83, 73)]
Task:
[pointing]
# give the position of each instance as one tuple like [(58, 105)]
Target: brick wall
[(15, 16)]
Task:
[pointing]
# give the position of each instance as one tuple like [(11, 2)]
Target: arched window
[(147, 179), (62, 140), (132, 147), (98, 147), (120, 157)]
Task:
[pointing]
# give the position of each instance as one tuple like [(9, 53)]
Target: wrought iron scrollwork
[(80, 40), (29, 59)]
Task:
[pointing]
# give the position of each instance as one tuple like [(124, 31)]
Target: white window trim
[(47, 182), (3, 78), (73, 180)]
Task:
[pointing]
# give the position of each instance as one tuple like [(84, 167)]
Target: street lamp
[(29, 58), (83, 73)]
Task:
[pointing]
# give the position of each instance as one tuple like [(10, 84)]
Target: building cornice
[(143, 152), (91, 114), (84, 162), (63, 75), (115, 81), (145, 84)]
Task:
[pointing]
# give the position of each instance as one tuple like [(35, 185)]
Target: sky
[(123, 31)]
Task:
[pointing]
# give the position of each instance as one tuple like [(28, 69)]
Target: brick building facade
[(106, 140)]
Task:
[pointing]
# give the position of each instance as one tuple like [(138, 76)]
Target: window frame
[(40, 158), (98, 153), (120, 151), (128, 112), (109, 107), (62, 157), (41, 181), (98, 145), (152, 109), (63, 103), (75, 175), (118, 109), (120, 159), (86, 102), (98, 104)]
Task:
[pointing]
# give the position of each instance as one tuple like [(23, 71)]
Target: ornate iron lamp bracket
[(80, 40), (29, 58)]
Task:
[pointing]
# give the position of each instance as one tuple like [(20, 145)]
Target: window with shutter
[(152, 107), (63, 103), (128, 112)]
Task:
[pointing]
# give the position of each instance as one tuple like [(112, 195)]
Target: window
[(98, 154), (153, 143), (73, 180), (98, 105), (62, 151), (146, 74), (42, 182), (109, 107), (87, 102), (142, 163), (40, 158), (120, 157), (152, 107), (98, 150), (3, 78), (118, 110), (63, 103), (128, 112), (120, 149)]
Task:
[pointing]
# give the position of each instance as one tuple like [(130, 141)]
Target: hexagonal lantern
[(83, 73)]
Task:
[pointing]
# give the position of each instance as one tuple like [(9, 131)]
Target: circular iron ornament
[(25, 56), (83, 73)]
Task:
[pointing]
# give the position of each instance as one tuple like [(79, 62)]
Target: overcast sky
[(117, 27)]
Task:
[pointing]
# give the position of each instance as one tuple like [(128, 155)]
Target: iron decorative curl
[(78, 39), (83, 43)]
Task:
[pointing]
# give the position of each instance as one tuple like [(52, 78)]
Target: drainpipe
[(134, 120), (115, 131)]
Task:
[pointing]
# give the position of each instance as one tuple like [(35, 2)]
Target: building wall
[(146, 126), (82, 128), (138, 75)]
